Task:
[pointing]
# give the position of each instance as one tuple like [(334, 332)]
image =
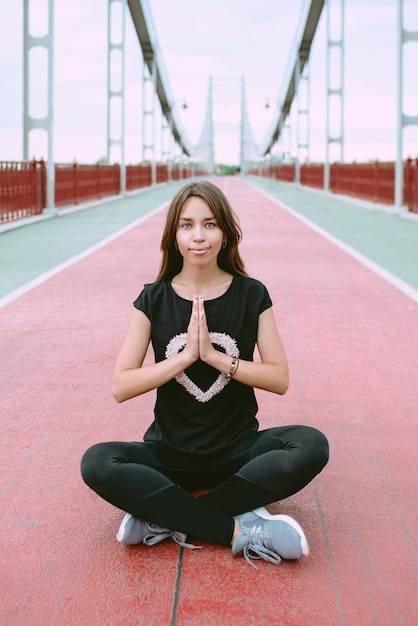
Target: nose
[(198, 234)]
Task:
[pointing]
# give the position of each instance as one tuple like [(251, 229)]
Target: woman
[(204, 316)]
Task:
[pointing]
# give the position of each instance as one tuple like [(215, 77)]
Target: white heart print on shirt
[(220, 339)]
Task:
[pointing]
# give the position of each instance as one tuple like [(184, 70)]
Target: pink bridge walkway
[(352, 342)]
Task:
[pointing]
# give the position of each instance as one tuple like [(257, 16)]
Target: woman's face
[(199, 237)]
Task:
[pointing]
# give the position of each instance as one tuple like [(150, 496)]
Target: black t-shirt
[(199, 411)]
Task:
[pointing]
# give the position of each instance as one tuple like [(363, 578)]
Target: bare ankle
[(237, 531)]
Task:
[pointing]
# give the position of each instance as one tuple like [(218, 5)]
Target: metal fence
[(75, 183), (23, 183), (22, 189), (374, 182)]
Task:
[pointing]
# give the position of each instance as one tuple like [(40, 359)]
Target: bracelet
[(235, 370), (231, 369)]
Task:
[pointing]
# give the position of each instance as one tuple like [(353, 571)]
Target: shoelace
[(180, 538), (257, 547), (159, 534)]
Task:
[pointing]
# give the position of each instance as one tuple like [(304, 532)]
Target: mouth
[(198, 251)]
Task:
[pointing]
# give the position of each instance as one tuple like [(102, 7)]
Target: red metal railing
[(410, 189), (177, 172), (287, 173), (138, 176), (75, 183), (23, 184), (22, 189), (370, 181), (162, 173), (312, 175)]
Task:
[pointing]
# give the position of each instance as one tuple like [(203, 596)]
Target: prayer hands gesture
[(198, 343)]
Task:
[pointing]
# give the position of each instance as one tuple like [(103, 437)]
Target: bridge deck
[(351, 338)]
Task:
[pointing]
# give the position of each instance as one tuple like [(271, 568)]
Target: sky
[(222, 39)]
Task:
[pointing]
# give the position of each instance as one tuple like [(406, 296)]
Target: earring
[(176, 246), (224, 243)]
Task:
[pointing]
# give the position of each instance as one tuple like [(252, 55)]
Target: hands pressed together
[(198, 343)]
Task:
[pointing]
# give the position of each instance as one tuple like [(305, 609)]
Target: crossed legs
[(155, 483)]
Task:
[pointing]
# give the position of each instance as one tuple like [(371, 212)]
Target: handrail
[(23, 183)]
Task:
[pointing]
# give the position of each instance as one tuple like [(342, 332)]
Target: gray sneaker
[(134, 530), (269, 537)]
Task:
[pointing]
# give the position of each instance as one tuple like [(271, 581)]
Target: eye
[(185, 225), (210, 225)]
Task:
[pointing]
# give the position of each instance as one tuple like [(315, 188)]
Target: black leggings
[(156, 483)]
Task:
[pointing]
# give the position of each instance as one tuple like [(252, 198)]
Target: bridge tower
[(335, 84), (116, 16), (32, 45), (227, 111), (403, 120)]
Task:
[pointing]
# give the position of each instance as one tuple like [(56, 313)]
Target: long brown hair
[(229, 258)]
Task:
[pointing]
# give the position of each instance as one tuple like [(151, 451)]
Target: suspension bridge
[(30, 187), (337, 245)]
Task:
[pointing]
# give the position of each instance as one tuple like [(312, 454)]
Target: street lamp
[(184, 104), (268, 100)]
